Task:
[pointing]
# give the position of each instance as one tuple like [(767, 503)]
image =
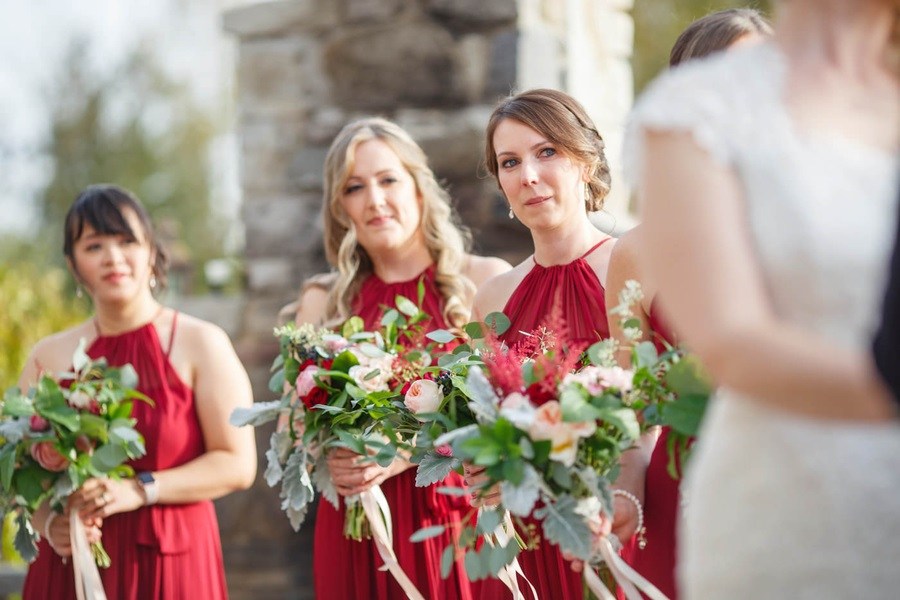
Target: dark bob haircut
[(103, 207)]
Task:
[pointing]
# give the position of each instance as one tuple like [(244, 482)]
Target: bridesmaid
[(159, 527), (652, 492), (388, 225), (548, 159)]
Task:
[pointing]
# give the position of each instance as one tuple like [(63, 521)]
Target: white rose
[(376, 383), (423, 396), (79, 399), (518, 410), (616, 377)]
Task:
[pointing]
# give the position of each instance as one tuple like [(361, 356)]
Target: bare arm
[(623, 265), (694, 204)]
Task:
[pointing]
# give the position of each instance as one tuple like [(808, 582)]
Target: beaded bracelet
[(640, 530)]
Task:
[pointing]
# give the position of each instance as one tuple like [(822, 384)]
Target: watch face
[(145, 477)]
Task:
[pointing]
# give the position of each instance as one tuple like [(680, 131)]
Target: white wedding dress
[(779, 506)]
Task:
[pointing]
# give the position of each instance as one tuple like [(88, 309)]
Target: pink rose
[(549, 425), (46, 455), (423, 396), (306, 381), (39, 423), (444, 450)]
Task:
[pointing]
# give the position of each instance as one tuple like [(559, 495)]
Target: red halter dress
[(159, 552), (584, 308), (348, 570)]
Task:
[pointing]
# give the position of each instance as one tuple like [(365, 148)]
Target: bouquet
[(669, 387), (340, 390), (62, 432)]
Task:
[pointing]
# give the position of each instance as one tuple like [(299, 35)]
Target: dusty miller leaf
[(520, 499), (26, 538), (296, 488), (433, 468), (565, 527), (322, 480), (484, 401), (258, 414)]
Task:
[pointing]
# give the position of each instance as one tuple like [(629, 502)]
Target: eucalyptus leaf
[(16, 404), (489, 519), (687, 377), (475, 569), (7, 465), (128, 377), (645, 355), (685, 414), (107, 457), (447, 557), (406, 306), (277, 381), (426, 533), (441, 336), (498, 322), (474, 330)]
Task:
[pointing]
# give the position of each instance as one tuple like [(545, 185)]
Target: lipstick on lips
[(536, 200)]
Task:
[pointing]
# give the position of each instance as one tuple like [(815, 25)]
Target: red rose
[(39, 423), (444, 450), (46, 455), (539, 393), (317, 396)]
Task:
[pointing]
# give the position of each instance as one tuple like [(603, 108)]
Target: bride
[(768, 177)]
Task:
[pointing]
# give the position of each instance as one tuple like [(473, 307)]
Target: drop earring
[(79, 293), (153, 282), (511, 215)]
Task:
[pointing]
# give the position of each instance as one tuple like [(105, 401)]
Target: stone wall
[(437, 67)]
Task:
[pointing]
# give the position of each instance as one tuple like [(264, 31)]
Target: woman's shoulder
[(713, 99), (54, 352), (311, 304), (480, 269), (199, 332), (495, 292)]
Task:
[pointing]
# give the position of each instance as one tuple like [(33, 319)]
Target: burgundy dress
[(657, 560), (160, 552), (348, 570), (584, 309)]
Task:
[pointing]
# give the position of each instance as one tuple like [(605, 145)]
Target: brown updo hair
[(103, 207), (717, 31), (563, 121)]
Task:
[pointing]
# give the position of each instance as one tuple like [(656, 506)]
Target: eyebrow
[(508, 152), (390, 170)]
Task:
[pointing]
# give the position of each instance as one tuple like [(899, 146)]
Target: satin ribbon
[(88, 585), (629, 580), (508, 574), (378, 513)]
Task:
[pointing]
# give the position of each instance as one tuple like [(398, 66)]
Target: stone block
[(503, 61), (380, 68), (473, 13), (307, 164), (282, 225), (472, 66), (452, 140), (269, 274), (271, 18), (541, 60), (281, 73), (370, 10)]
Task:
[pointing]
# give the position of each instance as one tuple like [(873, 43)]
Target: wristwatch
[(151, 489)]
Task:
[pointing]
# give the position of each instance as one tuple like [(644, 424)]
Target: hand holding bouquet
[(62, 432)]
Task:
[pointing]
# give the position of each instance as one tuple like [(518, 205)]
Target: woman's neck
[(566, 243), (401, 264), (848, 35), (113, 319)]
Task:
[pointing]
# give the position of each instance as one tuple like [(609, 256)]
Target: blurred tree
[(35, 304), (657, 25), (137, 128)]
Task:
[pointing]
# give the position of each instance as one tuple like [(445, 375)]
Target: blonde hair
[(563, 121), (447, 241)]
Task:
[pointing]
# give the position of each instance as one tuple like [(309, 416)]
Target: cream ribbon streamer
[(508, 574), (377, 511), (88, 585), (629, 580)]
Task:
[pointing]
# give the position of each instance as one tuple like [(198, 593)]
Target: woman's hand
[(353, 473), (99, 498), (58, 535), (476, 479), (625, 520)]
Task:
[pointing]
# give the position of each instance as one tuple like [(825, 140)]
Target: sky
[(33, 37)]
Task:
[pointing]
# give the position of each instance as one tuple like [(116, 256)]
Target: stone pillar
[(437, 67)]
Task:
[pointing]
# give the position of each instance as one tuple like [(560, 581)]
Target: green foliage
[(658, 24), (35, 303)]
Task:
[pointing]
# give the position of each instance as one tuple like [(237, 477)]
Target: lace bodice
[(820, 208)]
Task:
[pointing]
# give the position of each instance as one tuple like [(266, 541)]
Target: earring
[(153, 282), (79, 293), (511, 215)]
